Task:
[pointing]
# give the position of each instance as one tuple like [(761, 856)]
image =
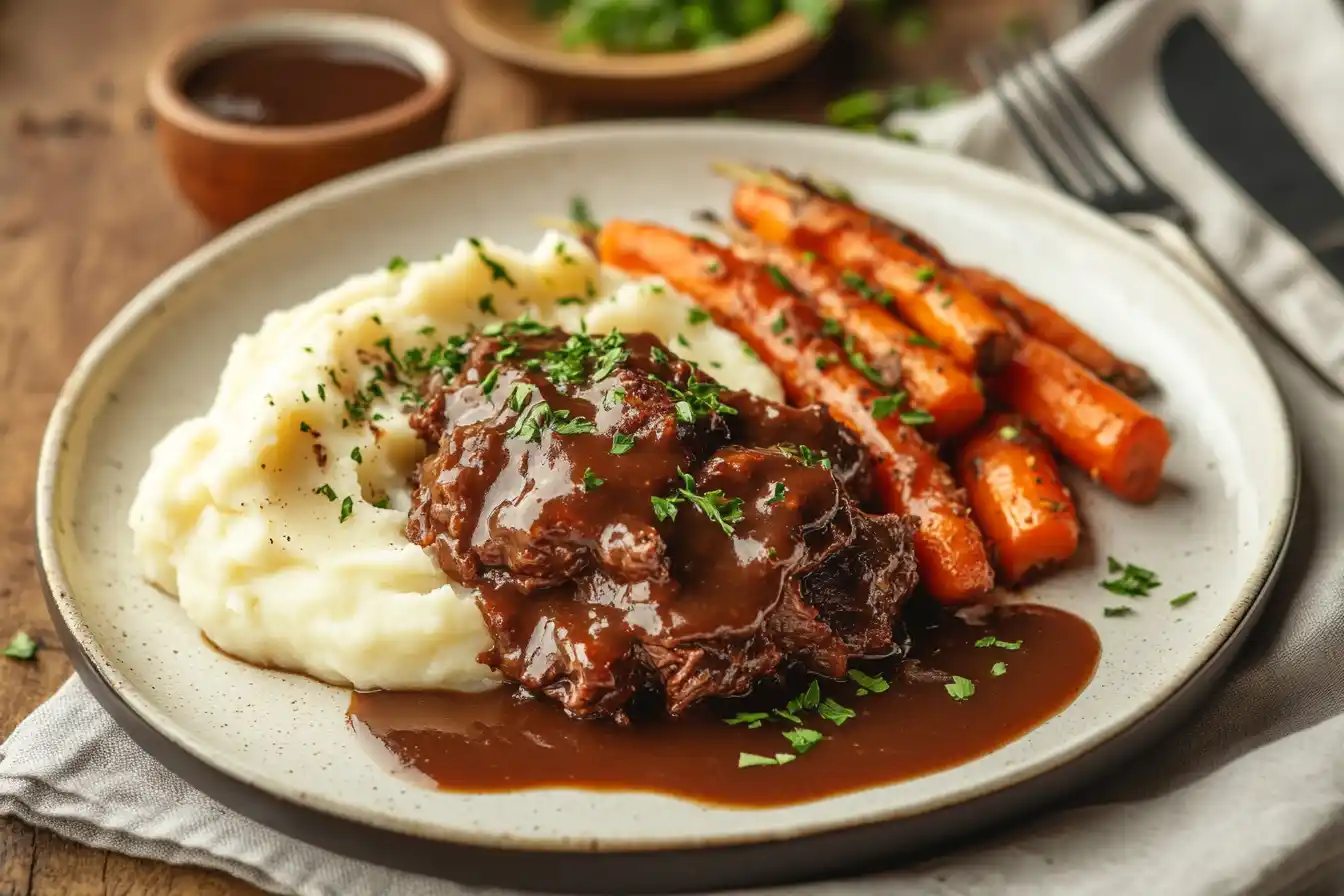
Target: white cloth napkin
[(1247, 799)]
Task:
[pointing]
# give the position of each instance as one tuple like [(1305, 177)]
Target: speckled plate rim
[(1008, 790)]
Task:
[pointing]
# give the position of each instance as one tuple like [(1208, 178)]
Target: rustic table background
[(87, 217)]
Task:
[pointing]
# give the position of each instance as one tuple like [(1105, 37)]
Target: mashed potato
[(277, 517)]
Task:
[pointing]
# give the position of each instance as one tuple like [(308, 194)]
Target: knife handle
[(1182, 247)]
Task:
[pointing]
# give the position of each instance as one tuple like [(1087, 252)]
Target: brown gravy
[(299, 83), (502, 741)]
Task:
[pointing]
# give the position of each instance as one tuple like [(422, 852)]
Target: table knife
[(1239, 129)]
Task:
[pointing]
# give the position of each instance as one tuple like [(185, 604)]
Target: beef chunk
[(632, 527)]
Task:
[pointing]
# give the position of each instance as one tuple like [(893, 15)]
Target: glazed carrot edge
[(1095, 426), (1024, 509), (939, 306)]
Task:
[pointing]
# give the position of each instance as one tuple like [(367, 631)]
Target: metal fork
[(1066, 133)]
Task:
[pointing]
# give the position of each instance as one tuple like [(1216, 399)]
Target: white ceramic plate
[(1217, 528)]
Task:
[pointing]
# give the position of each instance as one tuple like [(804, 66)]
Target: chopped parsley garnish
[(714, 504), (925, 274), (491, 378), (426, 331), (590, 480), (916, 418), (569, 300), (356, 456), (497, 270), (960, 688), (304, 396), (696, 316), (834, 712), (809, 257), (1053, 506), (803, 739), (991, 641), (750, 719), (778, 325), (808, 699), (396, 264), (326, 491), (487, 304), (1132, 581), (621, 443), (947, 302), (566, 426), (21, 647), (860, 363), (664, 508), (747, 760), (321, 392), (697, 400), (613, 353), (681, 341), (580, 214), (347, 508), (569, 363), (658, 355), (1008, 433), (806, 455), (777, 492), (857, 283), (831, 327), (520, 326), (304, 427), (713, 267), (531, 422), (750, 352), (874, 683), (518, 396), (886, 405), (921, 339), (781, 281), (1183, 599), (998, 669), (383, 503), (823, 362), (614, 397), (1117, 611)]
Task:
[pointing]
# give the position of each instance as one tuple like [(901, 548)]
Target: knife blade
[(1238, 128)]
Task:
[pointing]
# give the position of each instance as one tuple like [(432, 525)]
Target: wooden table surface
[(87, 218)]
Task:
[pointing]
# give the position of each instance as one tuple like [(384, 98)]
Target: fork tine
[(1084, 103), (985, 67), (1068, 127)]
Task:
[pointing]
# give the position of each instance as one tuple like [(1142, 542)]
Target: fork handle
[(1182, 247)]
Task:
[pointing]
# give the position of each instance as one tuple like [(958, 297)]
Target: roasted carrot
[(933, 380), (1024, 510), (1096, 426), (932, 300), (1048, 325), (763, 308)]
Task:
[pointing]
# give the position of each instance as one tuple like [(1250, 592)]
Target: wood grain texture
[(87, 217)]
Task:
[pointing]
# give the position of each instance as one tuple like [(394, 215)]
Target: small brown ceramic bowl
[(507, 31), (230, 171)]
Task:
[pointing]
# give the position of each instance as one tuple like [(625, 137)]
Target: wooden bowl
[(507, 31), (230, 171)]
